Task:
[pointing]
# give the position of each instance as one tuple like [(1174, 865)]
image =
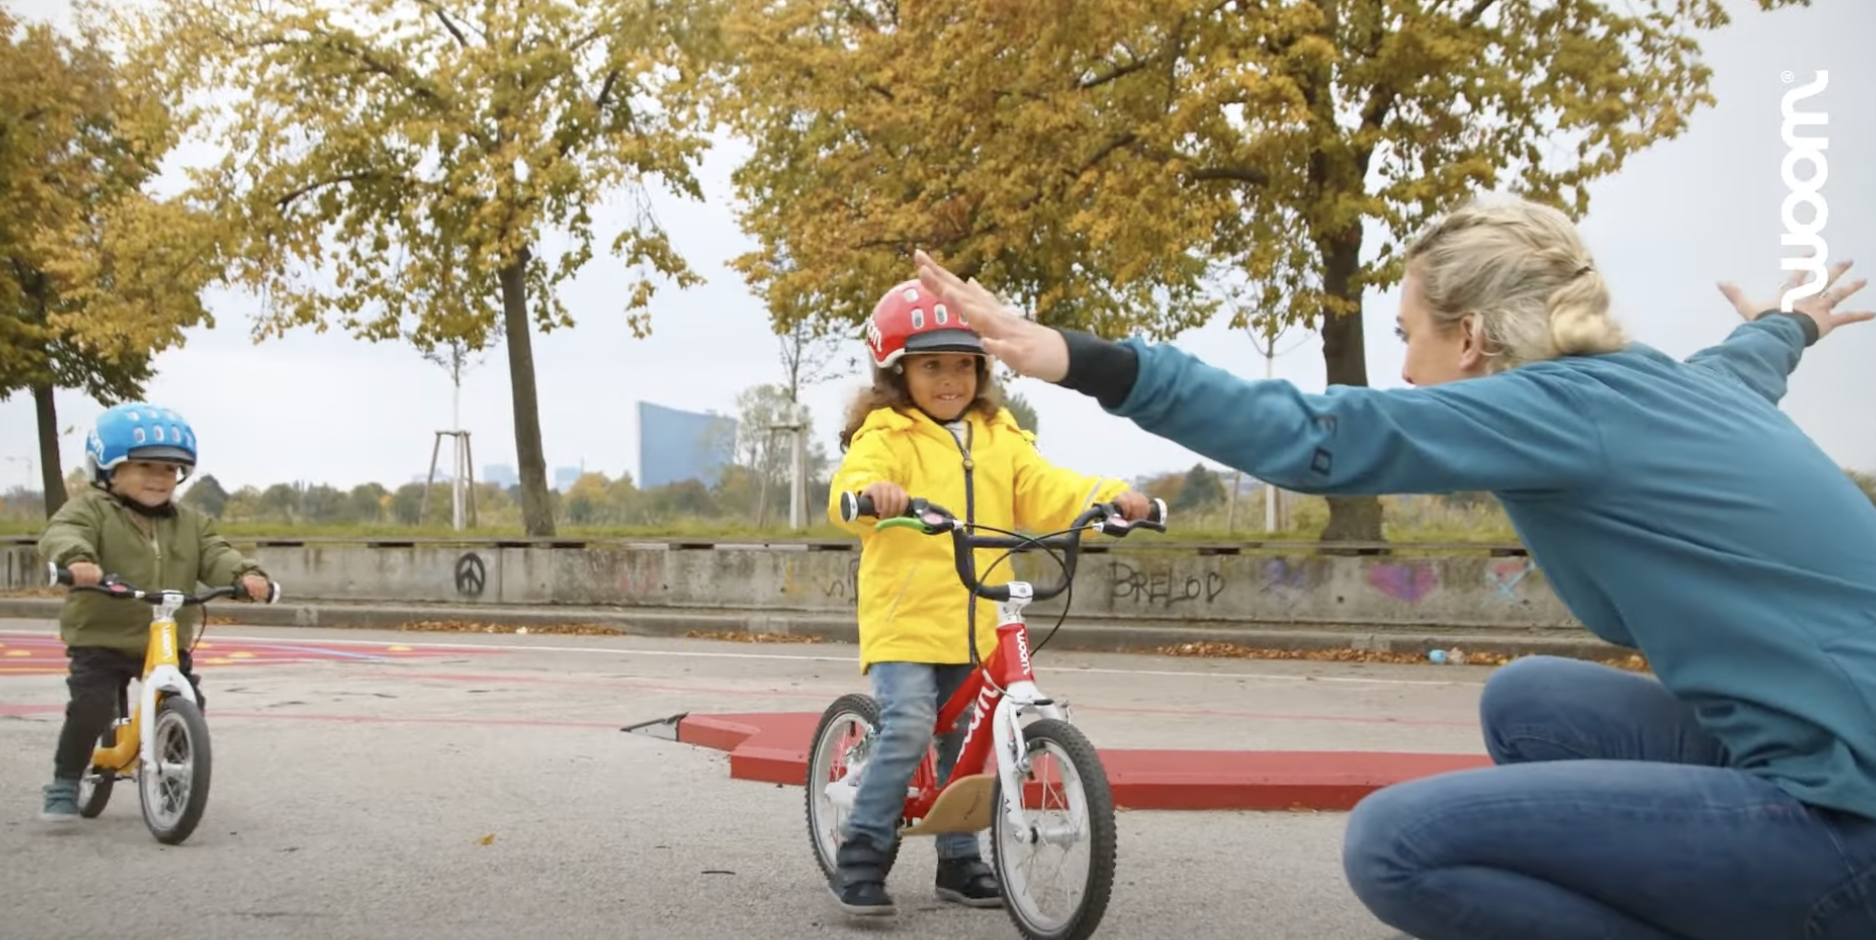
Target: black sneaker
[(968, 881), (859, 884), (864, 898)]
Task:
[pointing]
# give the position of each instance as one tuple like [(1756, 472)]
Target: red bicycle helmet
[(910, 320)]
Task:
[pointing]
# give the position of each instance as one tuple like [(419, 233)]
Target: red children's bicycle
[(1036, 784)]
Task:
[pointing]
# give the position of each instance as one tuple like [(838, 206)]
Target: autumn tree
[(812, 352), (432, 170), (766, 452), (1100, 163), (97, 275)]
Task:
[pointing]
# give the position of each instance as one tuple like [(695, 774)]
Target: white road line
[(213, 636)]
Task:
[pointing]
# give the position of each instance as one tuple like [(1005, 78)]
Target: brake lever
[(934, 521), (1115, 522)]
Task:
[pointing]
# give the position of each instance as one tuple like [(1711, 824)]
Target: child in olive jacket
[(129, 526)]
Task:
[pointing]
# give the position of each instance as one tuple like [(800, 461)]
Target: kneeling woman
[(1673, 508)]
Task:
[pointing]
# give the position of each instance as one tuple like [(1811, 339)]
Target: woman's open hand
[(1022, 344), (1821, 307)]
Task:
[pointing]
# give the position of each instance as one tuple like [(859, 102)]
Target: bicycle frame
[(162, 674), (1002, 688), (134, 739)]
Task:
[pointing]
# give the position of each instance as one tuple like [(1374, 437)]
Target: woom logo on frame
[(1806, 190)]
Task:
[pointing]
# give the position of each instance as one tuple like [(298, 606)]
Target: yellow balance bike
[(168, 755)]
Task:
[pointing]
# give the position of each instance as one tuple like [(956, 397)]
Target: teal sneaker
[(61, 801)]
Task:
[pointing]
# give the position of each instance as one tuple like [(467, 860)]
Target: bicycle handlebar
[(113, 586), (934, 519)]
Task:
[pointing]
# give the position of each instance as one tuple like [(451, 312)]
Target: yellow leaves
[(133, 275), (98, 273), (404, 155), (1100, 162)]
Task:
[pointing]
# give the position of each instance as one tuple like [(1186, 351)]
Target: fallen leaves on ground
[(1222, 650), (473, 626), (743, 636)]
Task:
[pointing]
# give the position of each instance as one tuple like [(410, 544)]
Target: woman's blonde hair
[(1521, 266)]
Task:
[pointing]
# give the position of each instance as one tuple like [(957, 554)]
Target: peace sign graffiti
[(471, 575)]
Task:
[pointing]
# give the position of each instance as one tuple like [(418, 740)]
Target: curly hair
[(890, 391)]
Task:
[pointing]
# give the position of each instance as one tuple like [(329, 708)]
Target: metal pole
[(798, 472), (456, 474), (1271, 494)]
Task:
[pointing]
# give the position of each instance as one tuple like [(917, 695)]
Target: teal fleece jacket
[(1671, 505)]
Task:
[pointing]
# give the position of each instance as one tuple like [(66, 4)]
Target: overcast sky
[(1679, 218)]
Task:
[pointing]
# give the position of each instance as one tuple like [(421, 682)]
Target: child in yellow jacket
[(931, 426)]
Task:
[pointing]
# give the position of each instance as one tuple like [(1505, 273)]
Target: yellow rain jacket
[(912, 605)]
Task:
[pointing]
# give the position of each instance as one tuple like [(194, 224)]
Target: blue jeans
[(1612, 816), (910, 696)]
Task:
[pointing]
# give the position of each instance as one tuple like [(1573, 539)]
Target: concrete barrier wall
[(1189, 585)]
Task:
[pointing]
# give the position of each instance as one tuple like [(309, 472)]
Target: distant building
[(564, 478), (500, 474), (675, 445)]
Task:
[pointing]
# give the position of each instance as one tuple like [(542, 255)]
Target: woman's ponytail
[(1579, 316)]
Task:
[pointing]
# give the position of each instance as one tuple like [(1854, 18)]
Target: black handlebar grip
[(853, 506), (57, 575)]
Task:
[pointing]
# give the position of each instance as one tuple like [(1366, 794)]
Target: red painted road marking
[(43, 654), (21, 711), (772, 748)]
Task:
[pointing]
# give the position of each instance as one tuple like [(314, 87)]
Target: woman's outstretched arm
[(1527, 429)]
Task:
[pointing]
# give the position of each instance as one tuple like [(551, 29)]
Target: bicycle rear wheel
[(1067, 804), (842, 735), (174, 790), (94, 788)]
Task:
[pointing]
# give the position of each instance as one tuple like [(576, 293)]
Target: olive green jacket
[(167, 553)]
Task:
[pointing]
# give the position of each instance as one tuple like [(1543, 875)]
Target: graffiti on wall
[(1504, 576), (472, 575), (1285, 574), (1404, 581), (1161, 585), (845, 586)]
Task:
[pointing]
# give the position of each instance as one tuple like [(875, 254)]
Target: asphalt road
[(485, 791)]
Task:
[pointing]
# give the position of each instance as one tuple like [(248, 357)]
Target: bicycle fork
[(162, 675), (1020, 695)]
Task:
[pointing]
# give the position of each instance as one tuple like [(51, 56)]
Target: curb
[(1137, 637), (772, 748)]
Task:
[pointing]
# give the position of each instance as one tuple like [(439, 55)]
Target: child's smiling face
[(150, 482), (942, 384)]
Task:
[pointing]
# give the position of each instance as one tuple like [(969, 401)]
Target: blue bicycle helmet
[(138, 431)]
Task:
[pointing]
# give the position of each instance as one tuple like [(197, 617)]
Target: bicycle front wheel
[(174, 790), (1057, 868)]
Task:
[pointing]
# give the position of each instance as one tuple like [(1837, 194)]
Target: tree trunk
[(1345, 357), (537, 512), (51, 472)]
